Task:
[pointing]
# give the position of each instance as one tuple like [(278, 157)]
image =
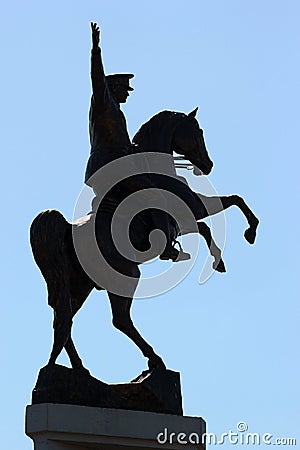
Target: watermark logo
[(103, 257), (242, 426), (241, 435)]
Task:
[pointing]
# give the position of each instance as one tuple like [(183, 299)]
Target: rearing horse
[(56, 255), (202, 206)]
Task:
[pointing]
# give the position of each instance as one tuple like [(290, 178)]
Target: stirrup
[(181, 255), (174, 254)]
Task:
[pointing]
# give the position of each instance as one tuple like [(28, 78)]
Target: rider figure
[(110, 140)]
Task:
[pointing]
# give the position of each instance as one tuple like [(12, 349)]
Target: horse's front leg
[(205, 232), (120, 307), (214, 205)]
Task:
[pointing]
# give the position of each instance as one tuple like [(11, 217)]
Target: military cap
[(120, 78)]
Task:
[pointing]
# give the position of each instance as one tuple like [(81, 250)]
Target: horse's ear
[(193, 113)]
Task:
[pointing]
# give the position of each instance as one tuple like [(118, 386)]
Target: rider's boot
[(170, 252), (161, 221)]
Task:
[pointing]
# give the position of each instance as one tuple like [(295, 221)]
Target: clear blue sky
[(234, 339)]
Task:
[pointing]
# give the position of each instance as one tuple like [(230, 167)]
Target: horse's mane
[(155, 129)]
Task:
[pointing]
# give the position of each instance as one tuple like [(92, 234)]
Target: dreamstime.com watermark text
[(239, 436)]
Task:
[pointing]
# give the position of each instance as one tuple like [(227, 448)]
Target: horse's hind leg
[(214, 205), (62, 325), (80, 288), (121, 319), (75, 359), (70, 348), (218, 263)]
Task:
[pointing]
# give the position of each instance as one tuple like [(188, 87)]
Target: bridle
[(181, 163)]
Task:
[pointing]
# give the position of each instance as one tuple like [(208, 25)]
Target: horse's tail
[(48, 243)]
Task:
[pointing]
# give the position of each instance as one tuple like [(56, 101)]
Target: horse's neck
[(156, 134), (157, 141), (159, 155), (154, 140)]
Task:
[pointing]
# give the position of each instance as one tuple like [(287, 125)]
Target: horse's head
[(188, 141)]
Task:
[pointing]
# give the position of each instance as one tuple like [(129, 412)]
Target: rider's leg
[(160, 217)]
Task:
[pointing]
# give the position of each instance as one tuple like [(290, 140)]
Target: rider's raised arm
[(97, 72)]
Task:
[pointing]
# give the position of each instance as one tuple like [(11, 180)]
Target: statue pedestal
[(71, 427), (156, 390)]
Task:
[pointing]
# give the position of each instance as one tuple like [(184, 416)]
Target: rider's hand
[(95, 34)]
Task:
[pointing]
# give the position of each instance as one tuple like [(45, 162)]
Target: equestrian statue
[(77, 257)]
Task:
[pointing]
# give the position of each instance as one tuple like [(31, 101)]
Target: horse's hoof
[(250, 235), (220, 266), (156, 363)]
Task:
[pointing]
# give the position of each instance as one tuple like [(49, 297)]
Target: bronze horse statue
[(52, 242)]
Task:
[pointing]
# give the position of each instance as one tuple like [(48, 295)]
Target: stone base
[(157, 390), (71, 427)]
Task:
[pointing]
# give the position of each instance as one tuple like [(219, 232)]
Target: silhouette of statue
[(69, 283)]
